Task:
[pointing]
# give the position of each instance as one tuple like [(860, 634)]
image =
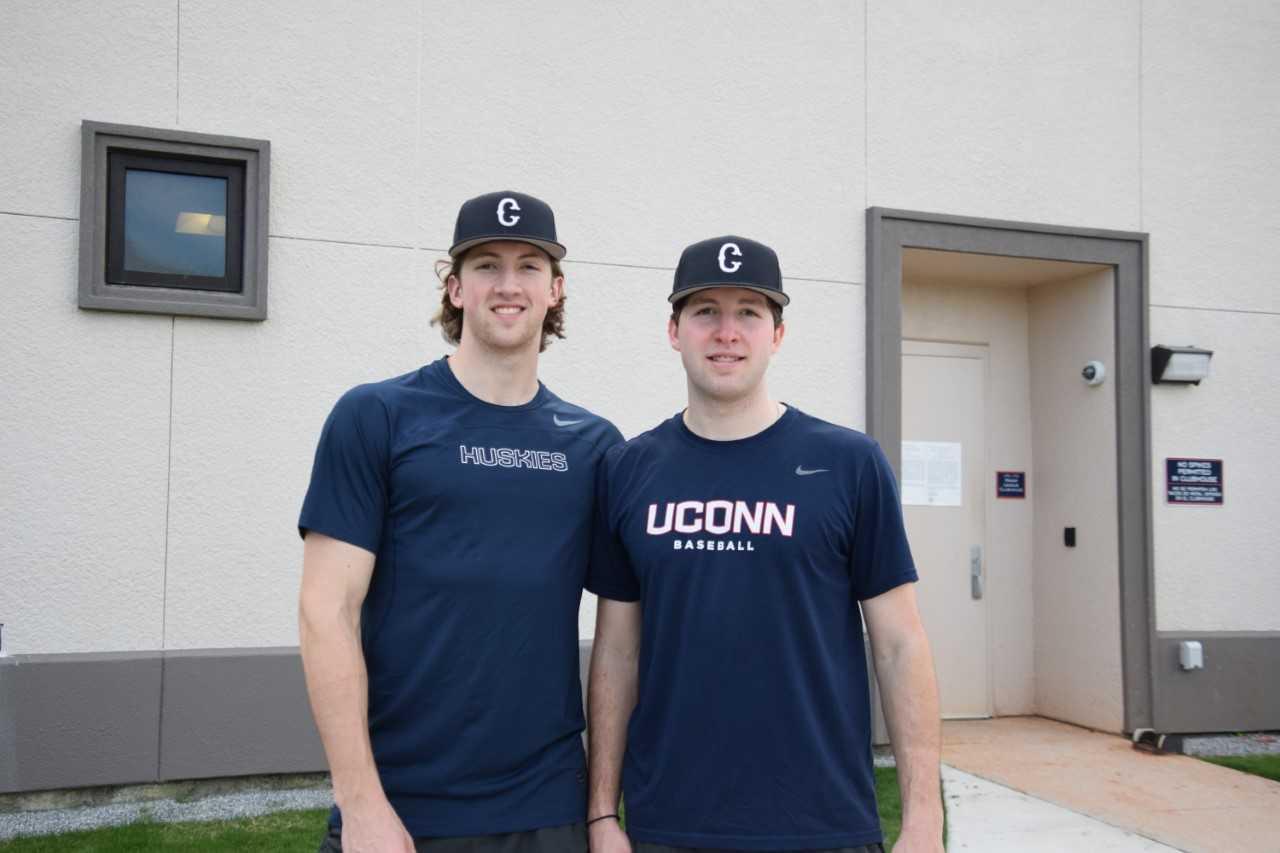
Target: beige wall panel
[(1077, 590), (63, 62), (649, 126), (83, 468), (1005, 109), (1210, 128), (1218, 568), (615, 359), (996, 317), (820, 367), (248, 403), (334, 87)]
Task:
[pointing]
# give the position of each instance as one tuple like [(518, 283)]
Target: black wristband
[(603, 817)]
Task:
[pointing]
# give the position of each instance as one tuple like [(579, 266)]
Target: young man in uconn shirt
[(739, 545), (447, 531)]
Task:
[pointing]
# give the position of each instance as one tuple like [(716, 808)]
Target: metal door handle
[(975, 571)]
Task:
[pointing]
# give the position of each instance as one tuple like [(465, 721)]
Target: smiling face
[(504, 289), (725, 337)]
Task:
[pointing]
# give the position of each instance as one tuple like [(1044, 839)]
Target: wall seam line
[(177, 71), (1259, 312), (418, 154), (618, 265), (1141, 118), (866, 104), (168, 494), (40, 216), (164, 590), (340, 242)]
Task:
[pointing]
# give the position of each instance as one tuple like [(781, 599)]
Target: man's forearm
[(909, 693), (337, 684), (611, 696)]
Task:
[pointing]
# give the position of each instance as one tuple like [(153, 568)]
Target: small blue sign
[(1193, 481), (1011, 484)]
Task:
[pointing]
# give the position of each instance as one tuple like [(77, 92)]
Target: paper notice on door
[(931, 473)]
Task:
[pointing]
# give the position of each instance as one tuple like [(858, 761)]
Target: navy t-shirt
[(480, 519), (752, 729)]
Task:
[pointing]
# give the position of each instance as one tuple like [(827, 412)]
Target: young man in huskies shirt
[(737, 546), (447, 532)]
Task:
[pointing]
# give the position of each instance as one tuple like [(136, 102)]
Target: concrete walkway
[(1060, 787), (984, 816)]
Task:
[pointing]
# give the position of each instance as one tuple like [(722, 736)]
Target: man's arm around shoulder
[(335, 579), (909, 694)]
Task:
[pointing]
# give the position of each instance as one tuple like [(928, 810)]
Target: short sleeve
[(881, 556), (609, 573), (347, 497)]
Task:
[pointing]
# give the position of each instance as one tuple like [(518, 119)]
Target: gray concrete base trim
[(78, 720), (1237, 691)]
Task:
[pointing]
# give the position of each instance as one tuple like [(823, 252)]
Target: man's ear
[(454, 285), (779, 331), (557, 290), (673, 330)]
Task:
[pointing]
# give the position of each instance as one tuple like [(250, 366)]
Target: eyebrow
[(750, 298), (532, 253)]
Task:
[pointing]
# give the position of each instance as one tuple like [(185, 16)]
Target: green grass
[(285, 832), (1259, 765), (890, 802)]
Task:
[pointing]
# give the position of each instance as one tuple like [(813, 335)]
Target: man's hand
[(374, 827), (918, 839), (606, 836)]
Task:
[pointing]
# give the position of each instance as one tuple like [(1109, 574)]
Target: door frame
[(888, 232)]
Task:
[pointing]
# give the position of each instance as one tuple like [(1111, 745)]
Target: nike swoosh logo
[(559, 422), (801, 471)]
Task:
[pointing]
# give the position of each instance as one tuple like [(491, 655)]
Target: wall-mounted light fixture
[(1179, 365)]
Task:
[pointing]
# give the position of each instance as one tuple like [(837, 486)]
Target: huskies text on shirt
[(752, 728), (480, 519)]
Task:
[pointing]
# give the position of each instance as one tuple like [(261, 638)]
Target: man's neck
[(500, 378), (727, 420)]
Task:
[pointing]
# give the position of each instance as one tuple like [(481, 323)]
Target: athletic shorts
[(641, 847), (571, 838)]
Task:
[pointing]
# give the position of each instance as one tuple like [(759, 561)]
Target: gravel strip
[(221, 807), (1254, 743)]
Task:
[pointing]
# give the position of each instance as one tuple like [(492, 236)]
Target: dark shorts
[(571, 838), (641, 847)]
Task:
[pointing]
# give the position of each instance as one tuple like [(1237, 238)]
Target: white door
[(944, 491)]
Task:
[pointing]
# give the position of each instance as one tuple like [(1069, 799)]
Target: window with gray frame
[(173, 222)]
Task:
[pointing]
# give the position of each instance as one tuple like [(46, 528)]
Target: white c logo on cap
[(504, 217), (730, 249)]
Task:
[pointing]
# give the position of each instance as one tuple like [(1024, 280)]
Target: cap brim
[(776, 295), (553, 249)]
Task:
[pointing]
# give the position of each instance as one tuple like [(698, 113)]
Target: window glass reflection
[(175, 223)]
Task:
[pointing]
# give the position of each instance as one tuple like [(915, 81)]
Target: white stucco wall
[(1211, 200), (152, 498), (1218, 567), (1001, 110)]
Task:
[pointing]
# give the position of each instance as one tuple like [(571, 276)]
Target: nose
[(507, 283), (727, 329)]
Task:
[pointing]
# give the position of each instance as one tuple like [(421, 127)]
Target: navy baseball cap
[(729, 262), (506, 216)]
